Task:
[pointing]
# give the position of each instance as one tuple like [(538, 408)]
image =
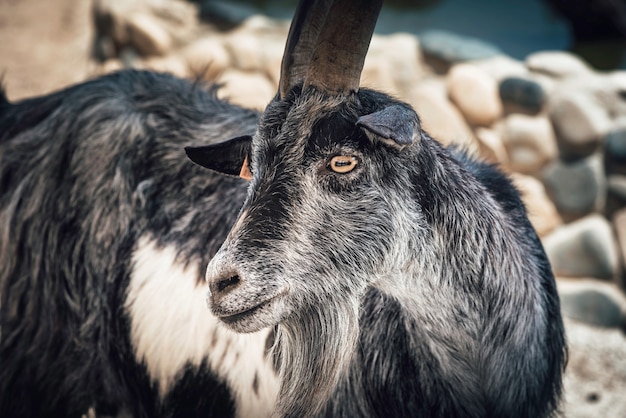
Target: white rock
[(584, 248), (252, 51), (619, 223), (265, 26), (393, 64), (248, 89), (530, 142), (148, 35), (557, 64), (491, 146), (206, 56), (475, 93), (580, 122), (152, 27), (377, 71), (501, 67), (438, 115), (595, 302), (541, 211)]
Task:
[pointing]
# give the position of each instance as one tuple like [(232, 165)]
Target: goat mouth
[(232, 318)]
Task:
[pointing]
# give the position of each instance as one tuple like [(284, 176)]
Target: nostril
[(227, 283)]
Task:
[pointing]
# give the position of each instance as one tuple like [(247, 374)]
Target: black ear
[(226, 157), (396, 125)]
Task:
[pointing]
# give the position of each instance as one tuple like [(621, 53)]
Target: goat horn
[(342, 44), (303, 32)]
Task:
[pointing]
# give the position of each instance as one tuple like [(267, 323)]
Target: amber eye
[(342, 164)]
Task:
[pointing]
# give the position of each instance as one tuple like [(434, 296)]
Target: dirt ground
[(45, 45)]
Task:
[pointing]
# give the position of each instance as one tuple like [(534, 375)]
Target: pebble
[(438, 115), (206, 56), (522, 94), (226, 14), (475, 93), (580, 122), (584, 248), (491, 146), (377, 70), (615, 151), (541, 211), (593, 302), (619, 224), (446, 48), (502, 66), (557, 64), (256, 51), (148, 36), (577, 188), (393, 64), (248, 89), (616, 194), (530, 142)]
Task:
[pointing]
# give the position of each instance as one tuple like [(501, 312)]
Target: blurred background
[(537, 87)]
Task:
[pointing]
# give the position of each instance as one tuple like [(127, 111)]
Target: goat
[(393, 276), (404, 278), (105, 231)]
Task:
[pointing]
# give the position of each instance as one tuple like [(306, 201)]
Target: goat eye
[(342, 164)]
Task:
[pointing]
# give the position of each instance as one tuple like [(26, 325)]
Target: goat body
[(105, 231), (391, 276), (413, 285)]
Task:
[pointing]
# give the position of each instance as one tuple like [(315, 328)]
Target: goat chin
[(315, 348)]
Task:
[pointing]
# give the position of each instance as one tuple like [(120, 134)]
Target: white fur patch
[(172, 326)]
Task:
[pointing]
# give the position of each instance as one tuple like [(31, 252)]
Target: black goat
[(105, 231), (403, 278)]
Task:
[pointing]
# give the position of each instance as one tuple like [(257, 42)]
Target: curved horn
[(342, 44), (303, 32)]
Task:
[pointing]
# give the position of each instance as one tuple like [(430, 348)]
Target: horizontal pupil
[(343, 163)]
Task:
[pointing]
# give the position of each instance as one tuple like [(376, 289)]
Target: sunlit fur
[(415, 285), (105, 233)]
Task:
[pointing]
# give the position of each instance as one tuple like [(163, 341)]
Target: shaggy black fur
[(83, 173)]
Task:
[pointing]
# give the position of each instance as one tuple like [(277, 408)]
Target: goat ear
[(228, 157), (395, 125)]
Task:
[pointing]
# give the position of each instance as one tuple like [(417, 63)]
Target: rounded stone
[(616, 194), (439, 117), (541, 210), (475, 93), (577, 188), (521, 93), (256, 51), (619, 224), (207, 57), (502, 66), (615, 151), (393, 64), (148, 36), (226, 14), (584, 248), (593, 302), (248, 89), (447, 48), (530, 142), (491, 146), (557, 64), (580, 123)]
